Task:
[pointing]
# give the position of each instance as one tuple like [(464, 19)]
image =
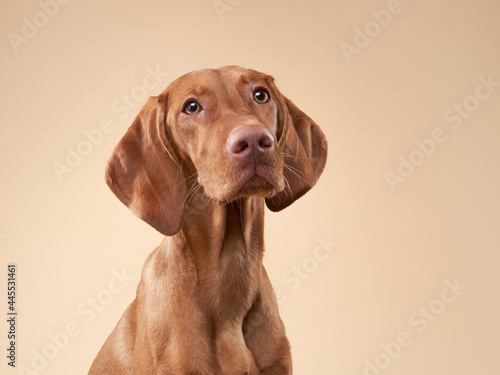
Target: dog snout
[(245, 141)]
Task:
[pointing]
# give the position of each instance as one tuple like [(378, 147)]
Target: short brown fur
[(205, 304)]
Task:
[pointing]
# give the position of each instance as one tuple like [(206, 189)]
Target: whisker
[(190, 179), (192, 192), (298, 157), (296, 172), (238, 202), (193, 189), (287, 185)]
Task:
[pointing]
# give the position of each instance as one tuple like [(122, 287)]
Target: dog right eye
[(192, 107), (261, 96)]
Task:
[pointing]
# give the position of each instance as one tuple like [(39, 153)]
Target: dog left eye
[(261, 96), (192, 107)]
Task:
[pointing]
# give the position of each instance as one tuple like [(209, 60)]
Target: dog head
[(229, 130)]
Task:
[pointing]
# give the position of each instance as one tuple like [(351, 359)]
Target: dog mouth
[(262, 179), (254, 184)]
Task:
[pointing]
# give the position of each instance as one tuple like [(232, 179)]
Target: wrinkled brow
[(244, 79), (247, 79), (198, 90)]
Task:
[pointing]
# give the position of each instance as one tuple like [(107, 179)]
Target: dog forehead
[(225, 78), (242, 75)]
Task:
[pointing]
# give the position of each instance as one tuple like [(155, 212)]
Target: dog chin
[(255, 186)]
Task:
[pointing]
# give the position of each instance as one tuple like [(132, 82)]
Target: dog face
[(224, 123), (231, 131)]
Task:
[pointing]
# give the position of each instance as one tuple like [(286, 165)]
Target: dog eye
[(192, 107), (261, 96)]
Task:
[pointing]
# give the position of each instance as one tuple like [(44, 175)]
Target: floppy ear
[(304, 149), (144, 172)]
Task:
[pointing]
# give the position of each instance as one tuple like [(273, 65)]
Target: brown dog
[(197, 164)]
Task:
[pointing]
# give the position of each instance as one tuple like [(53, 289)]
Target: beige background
[(395, 250)]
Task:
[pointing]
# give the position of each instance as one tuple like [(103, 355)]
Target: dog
[(199, 164)]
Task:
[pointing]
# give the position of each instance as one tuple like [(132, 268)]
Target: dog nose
[(244, 140)]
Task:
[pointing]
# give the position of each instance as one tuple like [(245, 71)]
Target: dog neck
[(226, 244)]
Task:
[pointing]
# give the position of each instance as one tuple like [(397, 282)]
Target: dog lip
[(254, 183)]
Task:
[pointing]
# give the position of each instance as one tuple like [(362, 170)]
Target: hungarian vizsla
[(199, 163)]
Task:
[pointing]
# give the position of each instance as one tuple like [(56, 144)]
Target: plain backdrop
[(407, 93)]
